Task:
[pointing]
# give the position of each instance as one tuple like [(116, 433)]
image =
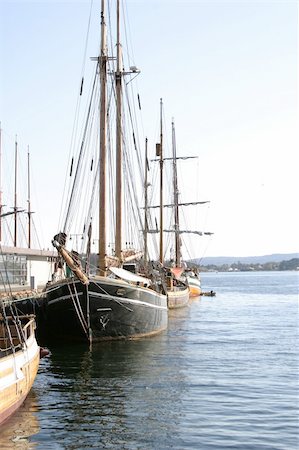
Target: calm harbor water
[(223, 376)]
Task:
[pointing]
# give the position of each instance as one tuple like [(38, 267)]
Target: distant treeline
[(292, 264)]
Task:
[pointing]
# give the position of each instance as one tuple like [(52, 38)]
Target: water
[(223, 376)]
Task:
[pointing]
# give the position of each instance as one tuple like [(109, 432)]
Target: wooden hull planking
[(17, 374), (178, 298)]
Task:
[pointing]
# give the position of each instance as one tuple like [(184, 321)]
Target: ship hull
[(194, 286), (105, 309), (178, 298), (18, 370)]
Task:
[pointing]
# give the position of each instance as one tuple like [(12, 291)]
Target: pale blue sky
[(227, 72)]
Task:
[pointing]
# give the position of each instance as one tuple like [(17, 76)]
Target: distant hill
[(220, 260)]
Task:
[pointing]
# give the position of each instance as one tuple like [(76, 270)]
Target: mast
[(118, 192), (15, 195), (102, 186), (161, 183), (145, 204), (29, 200), (176, 201)]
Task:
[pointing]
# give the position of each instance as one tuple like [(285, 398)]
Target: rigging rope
[(77, 306), (78, 167), (76, 117)]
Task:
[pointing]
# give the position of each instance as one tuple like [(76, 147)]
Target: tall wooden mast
[(29, 199), (161, 184), (176, 201), (118, 192), (15, 194), (102, 187), (145, 205)]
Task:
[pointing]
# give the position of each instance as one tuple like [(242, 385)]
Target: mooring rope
[(78, 308)]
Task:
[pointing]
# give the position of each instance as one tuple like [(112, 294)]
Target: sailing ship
[(177, 289), (22, 267), (112, 303), (19, 359), (190, 275), (16, 211), (179, 276), (19, 351), (178, 295)]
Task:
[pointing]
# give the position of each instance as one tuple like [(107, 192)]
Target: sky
[(228, 74)]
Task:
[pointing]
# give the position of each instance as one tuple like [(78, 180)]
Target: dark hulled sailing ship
[(112, 303)]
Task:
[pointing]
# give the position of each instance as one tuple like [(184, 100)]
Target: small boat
[(19, 361), (209, 294)]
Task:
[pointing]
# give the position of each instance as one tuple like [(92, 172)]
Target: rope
[(77, 113), (77, 307), (78, 168), (88, 317)]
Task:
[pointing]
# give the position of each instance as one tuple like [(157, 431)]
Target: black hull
[(106, 309)]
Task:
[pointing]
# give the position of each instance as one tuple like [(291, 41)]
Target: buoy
[(43, 352)]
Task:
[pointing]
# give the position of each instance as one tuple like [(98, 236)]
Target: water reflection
[(122, 394), (18, 430)]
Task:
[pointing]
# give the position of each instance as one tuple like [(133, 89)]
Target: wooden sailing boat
[(19, 351), (19, 361), (190, 275), (16, 236), (191, 279), (19, 358), (114, 303), (177, 289), (15, 209), (179, 275)]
